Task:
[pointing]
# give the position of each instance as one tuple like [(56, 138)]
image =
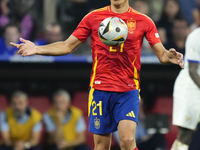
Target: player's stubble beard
[(118, 2), (119, 6)]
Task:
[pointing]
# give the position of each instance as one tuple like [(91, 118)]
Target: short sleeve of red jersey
[(83, 30), (151, 34)]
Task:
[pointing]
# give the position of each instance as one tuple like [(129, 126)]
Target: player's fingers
[(181, 62), (17, 45), (181, 65), (22, 48), (14, 44), (23, 40), (172, 50), (180, 57), (20, 45), (20, 51), (24, 54)]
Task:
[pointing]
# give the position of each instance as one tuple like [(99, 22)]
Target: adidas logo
[(131, 114)]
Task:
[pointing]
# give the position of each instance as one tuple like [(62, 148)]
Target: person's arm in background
[(4, 127), (54, 131), (34, 139), (49, 128), (58, 133), (193, 67), (6, 138), (62, 144), (36, 133), (28, 48), (80, 129), (166, 57)]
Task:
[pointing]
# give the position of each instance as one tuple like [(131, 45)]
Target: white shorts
[(186, 108)]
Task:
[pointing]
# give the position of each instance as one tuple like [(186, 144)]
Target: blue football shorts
[(106, 109)]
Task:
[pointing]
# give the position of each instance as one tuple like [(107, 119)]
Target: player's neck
[(120, 8)]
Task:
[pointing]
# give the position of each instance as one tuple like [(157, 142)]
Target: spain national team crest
[(97, 123), (131, 25)]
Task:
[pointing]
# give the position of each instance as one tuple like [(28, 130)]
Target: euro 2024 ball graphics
[(113, 31)]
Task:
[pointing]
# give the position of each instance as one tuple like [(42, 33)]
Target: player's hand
[(26, 48), (176, 57)]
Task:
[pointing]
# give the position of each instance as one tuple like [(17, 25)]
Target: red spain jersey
[(117, 68)]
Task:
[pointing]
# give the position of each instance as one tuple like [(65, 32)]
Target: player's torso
[(133, 43), (184, 78), (119, 65)]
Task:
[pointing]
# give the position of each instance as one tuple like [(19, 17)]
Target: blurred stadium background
[(46, 21)]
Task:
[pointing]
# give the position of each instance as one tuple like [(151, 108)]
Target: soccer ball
[(113, 31)]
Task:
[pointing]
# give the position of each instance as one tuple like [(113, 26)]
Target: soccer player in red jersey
[(114, 85)]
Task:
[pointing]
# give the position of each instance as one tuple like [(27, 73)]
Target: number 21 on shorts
[(95, 105)]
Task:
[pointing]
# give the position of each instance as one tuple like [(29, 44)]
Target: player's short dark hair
[(13, 24)]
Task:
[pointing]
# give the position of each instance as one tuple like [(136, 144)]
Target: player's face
[(118, 2)]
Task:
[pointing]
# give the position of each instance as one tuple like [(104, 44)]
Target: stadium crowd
[(45, 22)]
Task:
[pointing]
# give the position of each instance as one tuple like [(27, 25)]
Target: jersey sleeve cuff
[(155, 43), (77, 36)]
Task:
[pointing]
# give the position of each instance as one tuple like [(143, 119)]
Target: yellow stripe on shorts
[(90, 100)]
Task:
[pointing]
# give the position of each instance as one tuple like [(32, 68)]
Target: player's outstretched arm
[(28, 48), (166, 57)]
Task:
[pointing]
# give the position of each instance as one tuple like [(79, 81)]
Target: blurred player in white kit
[(186, 96)]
